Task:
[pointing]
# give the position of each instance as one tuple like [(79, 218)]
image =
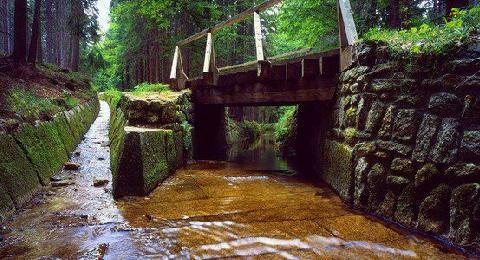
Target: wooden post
[(257, 25), (210, 70), (347, 33), (178, 77)]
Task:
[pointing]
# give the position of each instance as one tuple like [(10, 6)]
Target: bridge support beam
[(209, 139)]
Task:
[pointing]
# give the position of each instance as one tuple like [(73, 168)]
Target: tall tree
[(35, 38), (20, 31)]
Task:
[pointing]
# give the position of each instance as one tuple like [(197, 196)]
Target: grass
[(113, 96), (53, 71), (428, 38), (28, 105), (147, 87)]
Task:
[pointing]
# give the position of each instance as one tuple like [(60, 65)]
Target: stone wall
[(150, 137), (404, 141), (31, 154)]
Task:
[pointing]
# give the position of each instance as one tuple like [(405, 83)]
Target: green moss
[(28, 105), (148, 87), (6, 204), (156, 164), (44, 148), (350, 134), (68, 139), (17, 174), (337, 167)]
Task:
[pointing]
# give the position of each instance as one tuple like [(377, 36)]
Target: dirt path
[(206, 210)]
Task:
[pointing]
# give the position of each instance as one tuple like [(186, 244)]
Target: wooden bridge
[(287, 79)]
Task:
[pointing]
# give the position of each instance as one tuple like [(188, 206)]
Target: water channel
[(252, 206)]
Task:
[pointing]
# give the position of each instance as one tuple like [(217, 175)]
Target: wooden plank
[(237, 18), (173, 72), (279, 72), (264, 70), (257, 26), (207, 63), (294, 70), (330, 66), (246, 77), (348, 24), (293, 96), (310, 68)]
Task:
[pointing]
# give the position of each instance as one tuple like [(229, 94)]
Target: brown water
[(206, 210)]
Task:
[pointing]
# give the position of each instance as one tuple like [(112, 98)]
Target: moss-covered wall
[(149, 139), (31, 154)]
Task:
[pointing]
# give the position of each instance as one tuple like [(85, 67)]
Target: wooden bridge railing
[(347, 37)]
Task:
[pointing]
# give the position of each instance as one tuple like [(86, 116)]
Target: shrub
[(429, 38), (147, 87)]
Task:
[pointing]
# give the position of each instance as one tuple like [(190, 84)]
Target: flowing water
[(206, 210)]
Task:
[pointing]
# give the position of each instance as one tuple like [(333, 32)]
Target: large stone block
[(361, 171), (147, 157), (405, 212), (447, 144), (385, 130), (462, 204), (17, 174), (434, 212), (6, 203), (376, 180), (445, 104), (428, 129), (405, 125), (337, 167), (374, 117), (43, 147), (470, 147)]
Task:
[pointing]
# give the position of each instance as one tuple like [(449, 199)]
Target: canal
[(255, 205)]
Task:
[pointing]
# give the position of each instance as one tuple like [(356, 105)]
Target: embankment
[(31, 154)]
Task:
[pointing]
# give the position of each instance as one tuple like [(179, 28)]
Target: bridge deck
[(286, 79)]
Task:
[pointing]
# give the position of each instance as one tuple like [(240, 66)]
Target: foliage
[(285, 122), (114, 95), (429, 38), (146, 87)]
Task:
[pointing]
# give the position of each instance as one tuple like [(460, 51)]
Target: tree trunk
[(49, 32), (32, 53), (394, 20), (20, 31), (76, 31), (4, 26)]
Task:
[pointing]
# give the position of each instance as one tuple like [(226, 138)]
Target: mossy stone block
[(65, 133), (17, 174), (337, 167), (44, 148)]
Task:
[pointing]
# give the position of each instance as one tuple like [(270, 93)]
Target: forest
[(139, 45)]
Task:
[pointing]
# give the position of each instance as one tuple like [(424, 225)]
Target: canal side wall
[(31, 154), (402, 140), (150, 137)]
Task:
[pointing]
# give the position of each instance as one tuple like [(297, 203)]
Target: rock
[(374, 117), (447, 81), (461, 208), (102, 250), (364, 54), (427, 176), (445, 105), (405, 125), (389, 85), (381, 155), (387, 208), (408, 101), (361, 171), (428, 129), (470, 147), (397, 183), (394, 147), (101, 159), (463, 66), (403, 166), (77, 153), (354, 73), (382, 54), (448, 141), (363, 110), (469, 84), (70, 166), (385, 130), (383, 70), (365, 149), (463, 172), (471, 109), (55, 179), (61, 184), (406, 206), (376, 183), (100, 182), (433, 216)]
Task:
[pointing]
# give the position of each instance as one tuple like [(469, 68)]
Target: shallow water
[(206, 210)]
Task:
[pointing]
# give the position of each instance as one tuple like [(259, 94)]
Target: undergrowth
[(26, 104), (429, 38)]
